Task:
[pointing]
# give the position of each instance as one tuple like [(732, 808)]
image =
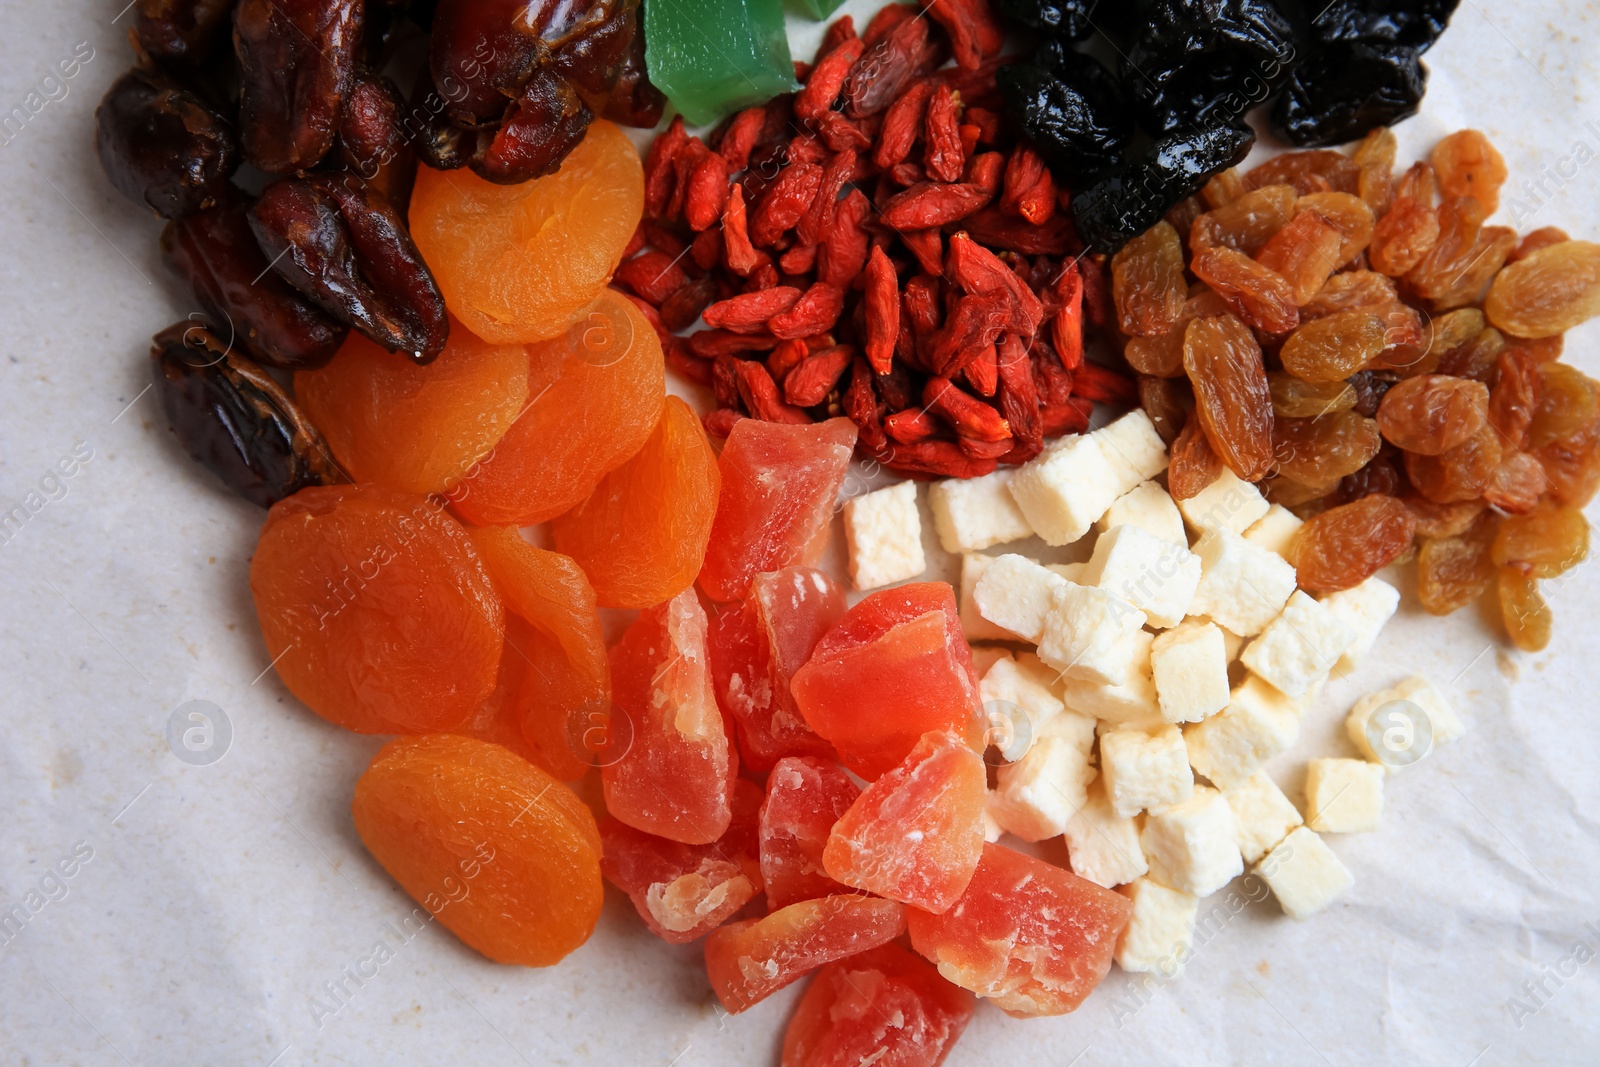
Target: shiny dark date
[(234, 419), (216, 253), (372, 141), (161, 146), (297, 60), (338, 241), (180, 29)]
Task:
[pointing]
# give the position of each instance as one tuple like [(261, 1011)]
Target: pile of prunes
[(1131, 143)]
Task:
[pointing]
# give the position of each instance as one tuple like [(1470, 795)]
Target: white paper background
[(220, 899)]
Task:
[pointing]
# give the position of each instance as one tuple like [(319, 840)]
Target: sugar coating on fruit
[(806, 796)]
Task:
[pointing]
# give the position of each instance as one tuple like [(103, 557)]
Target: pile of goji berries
[(943, 313)]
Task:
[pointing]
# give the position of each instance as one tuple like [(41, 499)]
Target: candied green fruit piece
[(714, 56)]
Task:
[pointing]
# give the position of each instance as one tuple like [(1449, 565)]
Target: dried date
[(162, 146), (296, 60)]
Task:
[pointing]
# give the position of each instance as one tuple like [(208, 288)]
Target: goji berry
[(814, 223), (741, 137), (706, 248), (1016, 393), (725, 379), (977, 321), (749, 312), (839, 31), (943, 157), (906, 175), (1069, 417), (738, 253), (1038, 204), (635, 243), (979, 271), (765, 276), (925, 205), (987, 171), (971, 417), (942, 459), (807, 149), (844, 249), (1091, 381), (662, 237), (760, 395), (798, 260), (861, 406), (839, 133), (708, 192), (659, 175), (975, 34), (1054, 380), (786, 357), (888, 66), (887, 18), (1022, 174), (713, 343), (653, 275), (896, 389), (928, 247), (882, 309), (692, 367), (1096, 290), (719, 423), (983, 373), (816, 310), (901, 125), (680, 310), (910, 425), (784, 202), (684, 161), (994, 229), (1066, 329), (827, 78), (976, 449), (987, 122), (969, 139), (810, 383)]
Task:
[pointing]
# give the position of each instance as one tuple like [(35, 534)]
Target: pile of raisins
[(280, 139), (1187, 73), (1379, 361)]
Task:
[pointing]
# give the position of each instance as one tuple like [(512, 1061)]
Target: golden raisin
[(1484, 261), (1331, 349), (1567, 403), (1405, 341), (1460, 223), (1549, 292), (1162, 355), (1540, 238), (1194, 464), (1545, 543), (1223, 362), (1309, 172), (1147, 282), (1573, 466), (1476, 359), (1322, 450), (1454, 571), (1514, 397), (1168, 402), (1245, 223), (1468, 165), (1257, 294), (1517, 485), (1224, 188), (1523, 610), (1375, 156), (1295, 398), (1409, 231), (1346, 213), (1305, 253), (1433, 413), (1444, 520), (1350, 290), (1459, 474), (1346, 545)]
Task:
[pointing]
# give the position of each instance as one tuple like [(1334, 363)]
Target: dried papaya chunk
[(504, 856), (566, 680), (805, 797), (410, 427), (672, 772), (376, 610), (641, 535), (594, 397)]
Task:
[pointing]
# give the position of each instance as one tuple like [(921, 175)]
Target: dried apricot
[(1324, 449), (520, 263), (1523, 609), (1433, 413), (1332, 348), (1467, 164), (916, 834), (498, 719), (779, 484), (1223, 363), (1346, 545), (566, 688), (672, 773), (1147, 282), (503, 855), (885, 1006), (900, 652), (749, 961), (376, 610), (805, 797), (1034, 938), (1545, 544), (1567, 403), (641, 536), (595, 395), (1454, 571), (416, 428)]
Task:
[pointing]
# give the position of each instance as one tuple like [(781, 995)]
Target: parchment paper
[(226, 913)]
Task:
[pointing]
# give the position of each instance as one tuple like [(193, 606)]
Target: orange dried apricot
[(503, 855), (641, 536), (594, 397), (376, 610), (519, 263), (417, 428), (566, 686)]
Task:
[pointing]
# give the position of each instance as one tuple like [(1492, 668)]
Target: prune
[(343, 245), (216, 253), (1346, 545), (1067, 20), (1147, 282), (1195, 62), (1072, 110), (1223, 362), (373, 142), (1415, 23), (1322, 450), (179, 29), (1547, 292), (1523, 610), (1344, 90), (297, 59), (161, 146), (1120, 206), (1433, 413), (234, 419)]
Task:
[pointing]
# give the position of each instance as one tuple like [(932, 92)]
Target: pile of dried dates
[(280, 138), (1188, 72)]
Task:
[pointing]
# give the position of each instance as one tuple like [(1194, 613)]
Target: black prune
[(180, 29), (1343, 91), (1206, 62), (1120, 206), (342, 244), (297, 60), (372, 141), (1070, 108), (1066, 20), (216, 253), (161, 146), (1413, 23), (234, 419)]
